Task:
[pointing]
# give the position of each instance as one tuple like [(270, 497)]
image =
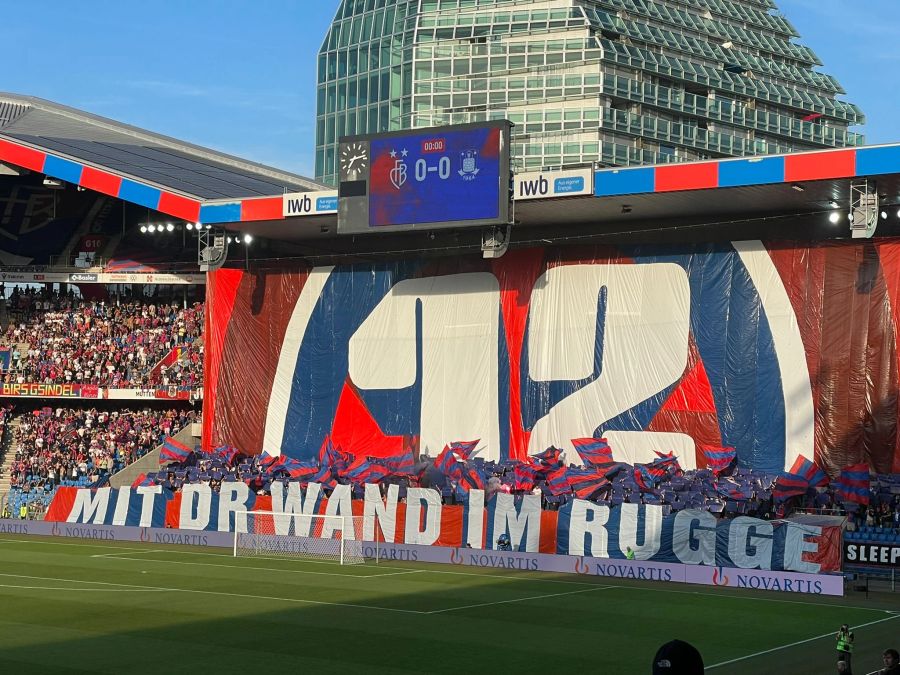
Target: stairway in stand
[(7, 455)]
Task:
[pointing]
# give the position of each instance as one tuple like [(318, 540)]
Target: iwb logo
[(298, 206), (309, 203)]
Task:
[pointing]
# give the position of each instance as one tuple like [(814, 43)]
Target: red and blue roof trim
[(135, 192), (727, 173), (100, 181), (767, 170)]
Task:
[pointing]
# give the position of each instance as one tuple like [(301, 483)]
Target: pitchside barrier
[(784, 582)]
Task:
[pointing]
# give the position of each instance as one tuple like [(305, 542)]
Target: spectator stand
[(56, 338), (81, 447)]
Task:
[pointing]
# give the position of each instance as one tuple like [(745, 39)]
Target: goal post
[(320, 537)]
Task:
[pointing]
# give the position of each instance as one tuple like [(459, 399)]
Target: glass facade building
[(585, 82)]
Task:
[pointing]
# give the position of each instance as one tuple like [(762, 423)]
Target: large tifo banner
[(774, 349), (581, 528)]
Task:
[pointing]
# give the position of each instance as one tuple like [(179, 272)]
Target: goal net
[(314, 537)]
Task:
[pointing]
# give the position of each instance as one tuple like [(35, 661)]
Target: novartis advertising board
[(754, 579)]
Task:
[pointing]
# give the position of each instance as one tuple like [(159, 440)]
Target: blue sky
[(239, 76)]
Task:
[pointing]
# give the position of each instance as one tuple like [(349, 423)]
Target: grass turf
[(112, 607)]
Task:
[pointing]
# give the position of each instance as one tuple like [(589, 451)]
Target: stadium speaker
[(863, 208), (494, 241)]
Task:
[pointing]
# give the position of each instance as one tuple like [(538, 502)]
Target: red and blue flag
[(809, 470), (718, 460), (525, 476), (464, 449), (173, 451), (854, 484), (402, 463), (558, 481), (549, 457), (471, 479), (448, 462), (644, 479), (789, 485), (369, 471), (226, 453), (142, 481), (585, 482), (593, 450)]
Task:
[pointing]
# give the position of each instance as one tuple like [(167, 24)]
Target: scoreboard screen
[(455, 176)]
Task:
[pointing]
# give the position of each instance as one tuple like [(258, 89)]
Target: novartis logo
[(456, 556), (581, 567), (719, 578)]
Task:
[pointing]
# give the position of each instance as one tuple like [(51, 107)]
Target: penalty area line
[(125, 552), (797, 643), (514, 600)]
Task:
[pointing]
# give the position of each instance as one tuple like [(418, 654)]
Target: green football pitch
[(114, 607)]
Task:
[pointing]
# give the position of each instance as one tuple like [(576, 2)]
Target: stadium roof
[(198, 184), (729, 192), (133, 164)]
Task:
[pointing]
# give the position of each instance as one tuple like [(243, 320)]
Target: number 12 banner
[(773, 349)]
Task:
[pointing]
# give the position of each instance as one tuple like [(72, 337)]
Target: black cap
[(677, 658)]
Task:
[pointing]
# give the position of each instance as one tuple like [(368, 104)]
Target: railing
[(70, 262)]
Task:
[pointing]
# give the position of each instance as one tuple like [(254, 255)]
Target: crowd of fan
[(79, 447), (116, 345)]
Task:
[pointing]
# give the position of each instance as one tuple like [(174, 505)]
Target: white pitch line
[(507, 602), (67, 543), (748, 597), (82, 590), (510, 577), (245, 596), (130, 551), (798, 642), (255, 557), (129, 558), (376, 565)]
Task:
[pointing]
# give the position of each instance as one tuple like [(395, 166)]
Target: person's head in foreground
[(677, 658)]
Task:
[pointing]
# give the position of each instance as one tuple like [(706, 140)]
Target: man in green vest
[(23, 512), (845, 644), (629, 554)]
